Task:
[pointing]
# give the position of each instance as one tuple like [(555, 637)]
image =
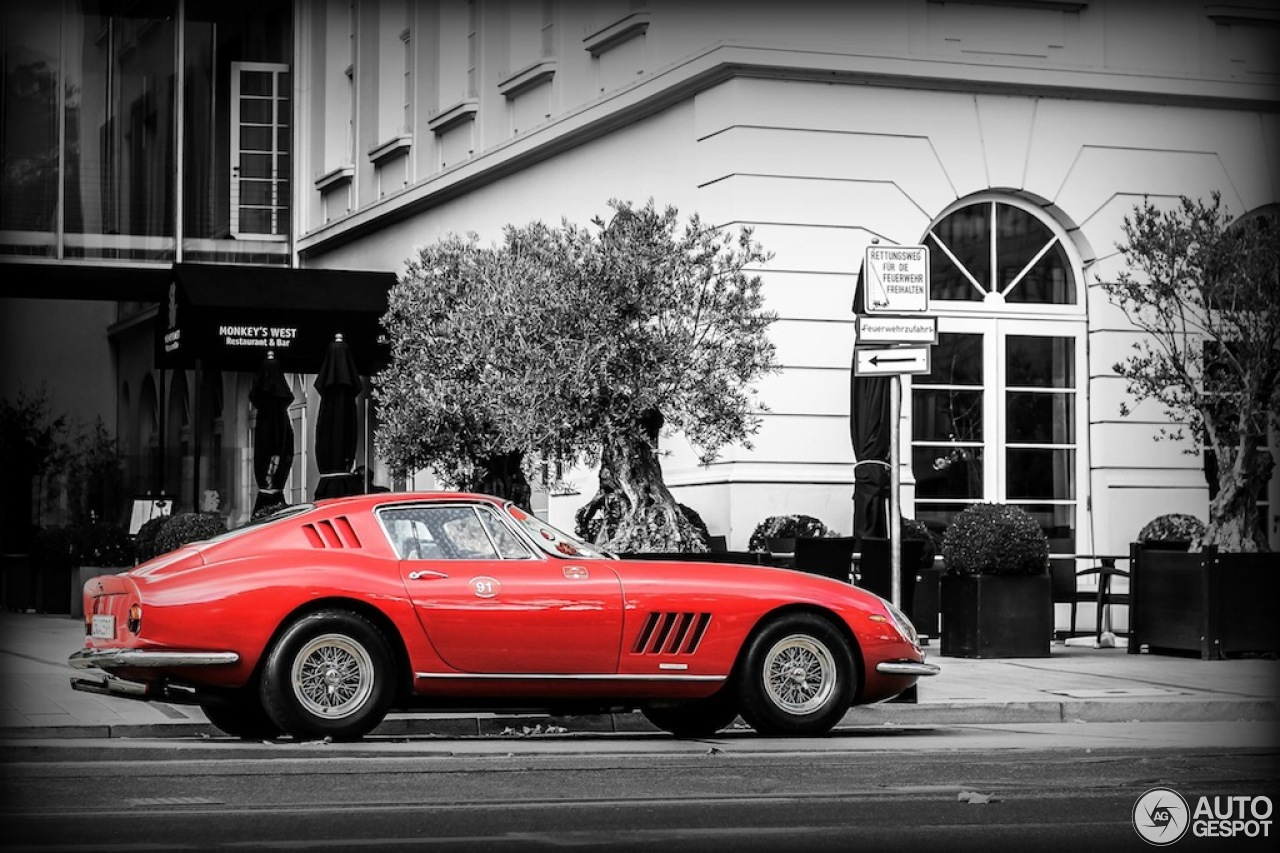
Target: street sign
[(890, 361), (897, 330), (896, 280)]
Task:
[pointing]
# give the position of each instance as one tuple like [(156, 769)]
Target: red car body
[(318, 621)]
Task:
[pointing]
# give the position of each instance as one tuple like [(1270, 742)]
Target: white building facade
[(1012, 137)]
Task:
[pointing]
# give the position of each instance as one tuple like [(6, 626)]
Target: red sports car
[(317, 621)]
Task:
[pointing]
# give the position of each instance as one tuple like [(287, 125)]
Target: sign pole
[(895, 491)]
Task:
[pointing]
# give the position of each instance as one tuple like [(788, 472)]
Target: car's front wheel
[(797, 677), (695, 719), (240, 714), (329, 675)]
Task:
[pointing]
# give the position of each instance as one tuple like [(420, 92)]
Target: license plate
[(104, 627)]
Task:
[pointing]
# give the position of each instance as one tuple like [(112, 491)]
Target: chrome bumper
[(907, 667), (117, 658)]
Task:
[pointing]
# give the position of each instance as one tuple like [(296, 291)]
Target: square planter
[(1208, 603), (996, 616)]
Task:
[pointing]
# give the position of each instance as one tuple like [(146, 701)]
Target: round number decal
[(485, 586)]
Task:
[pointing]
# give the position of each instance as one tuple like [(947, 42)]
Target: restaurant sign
[(230, 318)]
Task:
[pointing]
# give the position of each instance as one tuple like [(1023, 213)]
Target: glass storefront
[(94, 94)]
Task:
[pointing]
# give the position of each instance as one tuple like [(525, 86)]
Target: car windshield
[(553, 541)]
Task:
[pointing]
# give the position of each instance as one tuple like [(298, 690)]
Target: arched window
[(1001, 414), (1001, 252)]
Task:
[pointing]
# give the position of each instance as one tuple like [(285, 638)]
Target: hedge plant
[(786, 527), (144, 541), (1173, 527), (914, 529), (995, 539), (187, 527)]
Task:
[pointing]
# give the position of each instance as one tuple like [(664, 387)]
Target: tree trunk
[(636, 510), (1243, 474), (503, 477)]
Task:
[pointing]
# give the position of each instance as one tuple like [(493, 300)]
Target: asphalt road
[(964, 788)]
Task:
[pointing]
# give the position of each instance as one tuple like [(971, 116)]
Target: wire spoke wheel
[(799, 674), (332, 676)]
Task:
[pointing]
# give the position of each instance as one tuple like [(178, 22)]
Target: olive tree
[(676, 336), (1206, 291), (576, 345)]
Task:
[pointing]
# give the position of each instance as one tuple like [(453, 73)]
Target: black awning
[(229, 317)]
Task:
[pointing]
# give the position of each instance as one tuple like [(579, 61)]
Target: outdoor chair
[(1066, 587)]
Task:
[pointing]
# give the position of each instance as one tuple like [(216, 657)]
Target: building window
[(1000, 417), (996, 252), (260, 150)]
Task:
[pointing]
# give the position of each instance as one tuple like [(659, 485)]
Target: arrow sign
[(890, 361)]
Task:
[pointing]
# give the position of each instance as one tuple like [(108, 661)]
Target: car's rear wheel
[(240, 714), (797, 677), (329, 675), (699, 718)]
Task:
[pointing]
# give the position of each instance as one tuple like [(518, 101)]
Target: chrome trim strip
[(907, 667), (505, 676), (111, 658)]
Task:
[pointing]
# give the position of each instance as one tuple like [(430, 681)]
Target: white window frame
[(279, 204), (996, 319)]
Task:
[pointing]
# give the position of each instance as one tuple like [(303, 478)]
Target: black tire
[(330, 674), (797, 677), (697, 719), (239, 713)]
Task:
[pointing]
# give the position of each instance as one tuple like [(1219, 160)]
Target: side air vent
[(335, 533), (671, 633)]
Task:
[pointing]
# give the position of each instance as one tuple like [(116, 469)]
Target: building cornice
[(680, 81)]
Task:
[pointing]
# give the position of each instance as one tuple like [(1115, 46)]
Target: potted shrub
[(187, 527), (1203, 602), (98, 549), (1174, 531), (779, 528), (996, 593), (144, 541), (1201, 287)]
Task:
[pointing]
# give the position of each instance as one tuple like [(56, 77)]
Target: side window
[(450, 533), (509, 546), (466, 537)]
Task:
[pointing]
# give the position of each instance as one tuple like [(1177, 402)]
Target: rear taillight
[(134, 623)]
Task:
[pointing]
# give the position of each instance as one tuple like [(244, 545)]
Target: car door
[(489, 604)]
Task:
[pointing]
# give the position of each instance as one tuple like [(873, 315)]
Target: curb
[(884, 714)]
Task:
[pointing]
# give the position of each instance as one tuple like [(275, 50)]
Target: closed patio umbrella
[(273, 434), (869, 432), (338, 423)]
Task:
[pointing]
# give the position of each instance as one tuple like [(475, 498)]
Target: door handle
[(426, 575)]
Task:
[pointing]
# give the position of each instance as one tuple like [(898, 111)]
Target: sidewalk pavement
[(1073, 684)]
